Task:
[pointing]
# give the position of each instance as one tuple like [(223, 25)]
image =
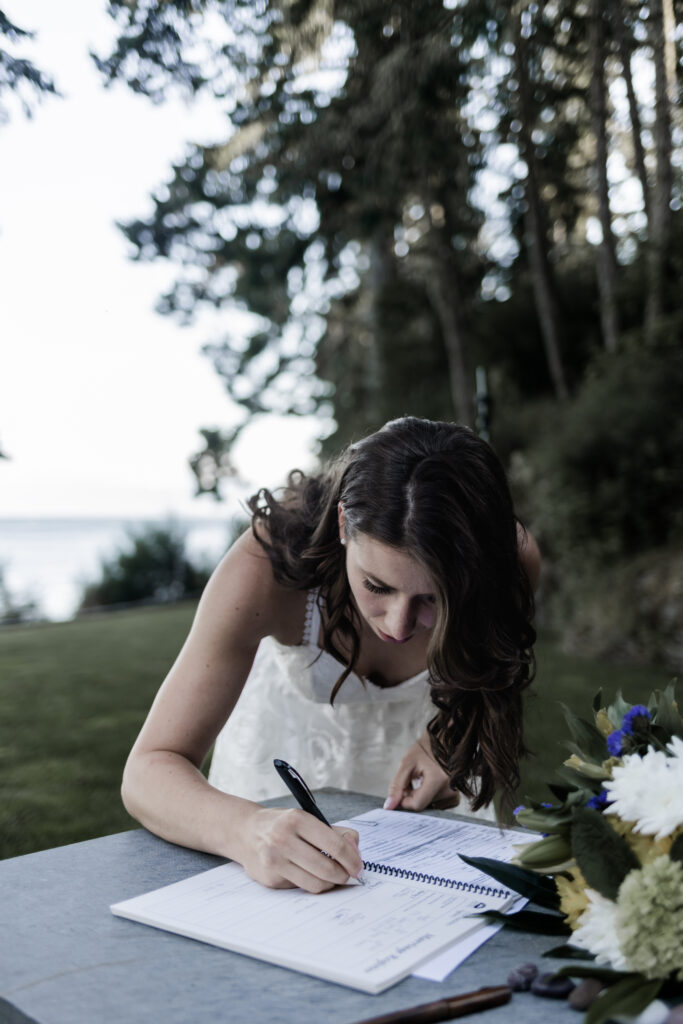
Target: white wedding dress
[(284, 711)]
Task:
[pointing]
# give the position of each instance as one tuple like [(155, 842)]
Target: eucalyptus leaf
[(586, 735), (546, 853), (529, 884), (528, 921), (629, 997), (546, 820), (605, 858), (569, 952), (561, 792), (591, 787)]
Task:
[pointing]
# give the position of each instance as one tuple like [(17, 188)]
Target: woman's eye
[(373, 588)]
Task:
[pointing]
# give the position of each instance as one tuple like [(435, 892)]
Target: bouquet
[(613, 848)]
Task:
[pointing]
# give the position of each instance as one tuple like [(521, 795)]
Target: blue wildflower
[(518, 809), (615, 743), (637, 711), (599, 802)]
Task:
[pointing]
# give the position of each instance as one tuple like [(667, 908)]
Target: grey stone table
[(65, 959)]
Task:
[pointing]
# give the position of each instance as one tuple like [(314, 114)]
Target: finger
[(345, 850), (322, 864), (318, 839), (300, 878), (416, 799), (400, 785), (347, 833)]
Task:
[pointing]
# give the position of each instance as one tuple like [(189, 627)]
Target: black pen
[(301, 793)]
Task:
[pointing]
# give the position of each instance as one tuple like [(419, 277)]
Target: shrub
[(612, 470), (153, 567)]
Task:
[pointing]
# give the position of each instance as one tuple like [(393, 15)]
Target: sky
[(101, 398)]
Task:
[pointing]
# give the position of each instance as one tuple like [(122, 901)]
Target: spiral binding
[(448, 883)]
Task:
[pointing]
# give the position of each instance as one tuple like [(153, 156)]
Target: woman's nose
[(400, 620)]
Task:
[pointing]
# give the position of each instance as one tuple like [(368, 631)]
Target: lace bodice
[(284, 712)]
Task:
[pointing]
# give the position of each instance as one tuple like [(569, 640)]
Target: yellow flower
[(646, 848), (573, 899), (603, 723)]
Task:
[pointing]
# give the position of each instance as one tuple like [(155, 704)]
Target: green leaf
[(528, 921), (591, 787), (541, 819), (604, 857), (676, 851), (561, 792), (597, 701), (546, 853), (629, 997), (568, 952), (606, 974), (534, 887), (586, 735), (667, 715), (617, 710)]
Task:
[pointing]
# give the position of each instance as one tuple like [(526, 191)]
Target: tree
[(607, 262), (350, 208), (662, 33), (19, 75)]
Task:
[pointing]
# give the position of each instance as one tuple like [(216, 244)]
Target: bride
[(373, 628)]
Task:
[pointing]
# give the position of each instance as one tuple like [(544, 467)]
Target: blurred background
[(235, 236)]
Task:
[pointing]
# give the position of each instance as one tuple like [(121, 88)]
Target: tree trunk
[(535, 238), (441, 287), (607, 260), (659, 227), (634, 113)]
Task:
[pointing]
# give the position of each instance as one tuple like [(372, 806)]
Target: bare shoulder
[(245, 598), (529, 554)]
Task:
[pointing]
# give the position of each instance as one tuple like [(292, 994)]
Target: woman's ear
[(341, 518)]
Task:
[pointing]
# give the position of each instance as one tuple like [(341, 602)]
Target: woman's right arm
[(163, 786)]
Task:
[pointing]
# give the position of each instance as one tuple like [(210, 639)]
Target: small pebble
[(520, 977), (552, 987), (675, 1015), (585, 993)]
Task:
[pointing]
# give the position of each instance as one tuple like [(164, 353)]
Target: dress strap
[(311, 620)]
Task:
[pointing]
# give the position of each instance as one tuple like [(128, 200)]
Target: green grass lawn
[(75, 694)]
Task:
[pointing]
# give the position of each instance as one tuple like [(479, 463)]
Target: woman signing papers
[(373, 627)]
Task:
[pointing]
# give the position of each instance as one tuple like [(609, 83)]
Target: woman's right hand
[(283, 849)]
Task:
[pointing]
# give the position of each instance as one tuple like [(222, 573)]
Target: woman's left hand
[(420, 782)]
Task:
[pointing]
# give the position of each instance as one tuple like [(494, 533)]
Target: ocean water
[(49, 560)]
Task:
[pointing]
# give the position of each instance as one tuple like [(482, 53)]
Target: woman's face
[(393, 592)]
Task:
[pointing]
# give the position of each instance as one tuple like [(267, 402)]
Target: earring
[(342, 540)]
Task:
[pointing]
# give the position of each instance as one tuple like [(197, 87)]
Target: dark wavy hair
[(439, 492)]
